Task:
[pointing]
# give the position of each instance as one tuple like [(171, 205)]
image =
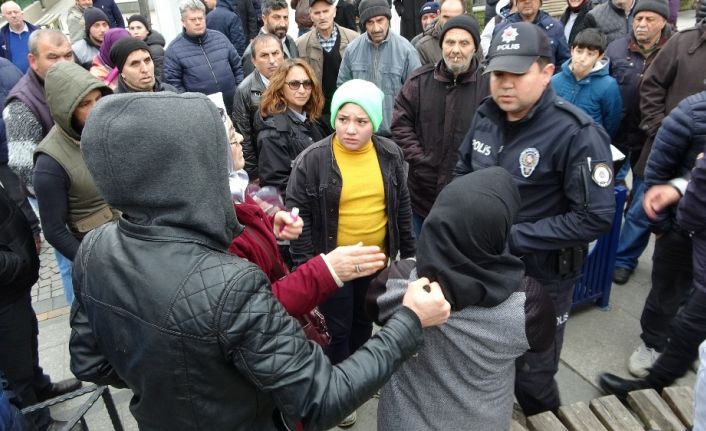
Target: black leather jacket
[(315, 188), (163, 309), (246, 105)]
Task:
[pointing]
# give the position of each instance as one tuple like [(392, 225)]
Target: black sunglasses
[(294, 85)]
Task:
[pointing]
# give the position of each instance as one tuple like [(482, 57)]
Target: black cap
[(371, 8), (331, 2), (517, 47), (123, 48), (463, 22), (141, 19), (92, 15), (659, 7)]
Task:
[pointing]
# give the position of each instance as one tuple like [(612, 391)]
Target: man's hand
[(658, 198), (287, 228), (427, 301)]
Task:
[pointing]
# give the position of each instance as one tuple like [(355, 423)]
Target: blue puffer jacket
[(597, 94), (551, 26), (224, 19), (206, 64), (9, 75), (678, 141)]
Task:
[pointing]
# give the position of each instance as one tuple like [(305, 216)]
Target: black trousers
[(535, 387), (19, 359), (671, 281), (347, 322)]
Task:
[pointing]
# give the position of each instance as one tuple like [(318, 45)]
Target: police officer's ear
[(546, 69)]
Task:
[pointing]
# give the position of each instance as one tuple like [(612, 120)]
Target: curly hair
[(273, 101)]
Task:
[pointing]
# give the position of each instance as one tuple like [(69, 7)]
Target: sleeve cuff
[(338, 281), (679, 184)]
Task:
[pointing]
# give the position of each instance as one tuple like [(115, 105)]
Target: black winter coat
[(246, 106), (315, 188), (155, 42), (432, 114), (280, 139), (583, 20), (223, 18), (19, 263)]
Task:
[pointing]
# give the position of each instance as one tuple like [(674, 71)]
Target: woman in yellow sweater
[(351, 188)]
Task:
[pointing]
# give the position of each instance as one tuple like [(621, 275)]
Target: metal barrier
[(597, 274)]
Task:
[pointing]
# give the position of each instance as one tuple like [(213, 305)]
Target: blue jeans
[(417, 222), (635, 233), (65, 269)]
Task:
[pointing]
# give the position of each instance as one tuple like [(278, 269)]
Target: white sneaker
[(349, 420), (641, 360)]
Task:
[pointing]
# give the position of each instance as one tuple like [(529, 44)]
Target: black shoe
[(619, 386), (621, 275), (59, 388)]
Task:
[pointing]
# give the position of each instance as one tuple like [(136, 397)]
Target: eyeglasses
[(294, 85)]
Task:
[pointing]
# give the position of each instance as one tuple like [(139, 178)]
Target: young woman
[(102, 67), (288, 123)]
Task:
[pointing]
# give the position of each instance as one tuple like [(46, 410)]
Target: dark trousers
[(535, 387), (671, 282), (20, 355), (687, 331), (347, 322)]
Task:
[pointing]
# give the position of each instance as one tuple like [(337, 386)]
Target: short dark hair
[(543, 61), (261, 38), (270, 5), (591, 38)]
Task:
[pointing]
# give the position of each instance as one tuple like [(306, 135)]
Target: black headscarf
[(463, 243)]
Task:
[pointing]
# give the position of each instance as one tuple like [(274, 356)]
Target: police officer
[(561, 162)]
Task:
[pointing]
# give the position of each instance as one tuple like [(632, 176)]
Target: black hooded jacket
[(163, 309)]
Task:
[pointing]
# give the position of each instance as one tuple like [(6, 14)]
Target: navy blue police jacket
[(561, 162)]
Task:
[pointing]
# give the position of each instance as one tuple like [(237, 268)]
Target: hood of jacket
[(65, 86), (155, 38), (183, 197), (599, 69), (226, 4)]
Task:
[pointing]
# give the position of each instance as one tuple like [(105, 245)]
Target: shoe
[(349, 420), (621, 275), (59, 388), (620, 387), (641, 360)]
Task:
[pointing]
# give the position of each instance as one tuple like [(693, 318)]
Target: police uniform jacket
[(561, 162)]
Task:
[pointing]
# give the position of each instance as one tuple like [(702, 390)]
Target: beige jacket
[(310, 49)]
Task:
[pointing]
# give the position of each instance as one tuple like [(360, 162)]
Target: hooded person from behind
[(69, 203), (464, 376), (162, 307)]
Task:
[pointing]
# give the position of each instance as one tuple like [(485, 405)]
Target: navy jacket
[(207, 64), (5, 35), (690, 216), (224, 19), (115, 17), (566, 182), (551, 26), (9, 75), (677, 143)]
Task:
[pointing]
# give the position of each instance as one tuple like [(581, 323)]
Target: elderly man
[(96, 25), (267, 57), (561, 161), (529, 11), (275, 17), (429, 45), (323, 48), (75, 20), (28, 120), (380, 56), (14, 35), (433, 110), (134, 62), (614, 17), (630, 57), (183, 299), (200, 59)]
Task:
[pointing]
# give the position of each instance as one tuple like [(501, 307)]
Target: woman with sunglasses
[(288, 123)]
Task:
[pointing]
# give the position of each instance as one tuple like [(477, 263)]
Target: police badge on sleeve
[(529, 159), (602, 175)]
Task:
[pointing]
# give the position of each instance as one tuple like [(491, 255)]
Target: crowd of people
[(232, 211)]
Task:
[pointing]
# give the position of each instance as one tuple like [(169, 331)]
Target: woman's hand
[(355, 261), (285, 227)]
